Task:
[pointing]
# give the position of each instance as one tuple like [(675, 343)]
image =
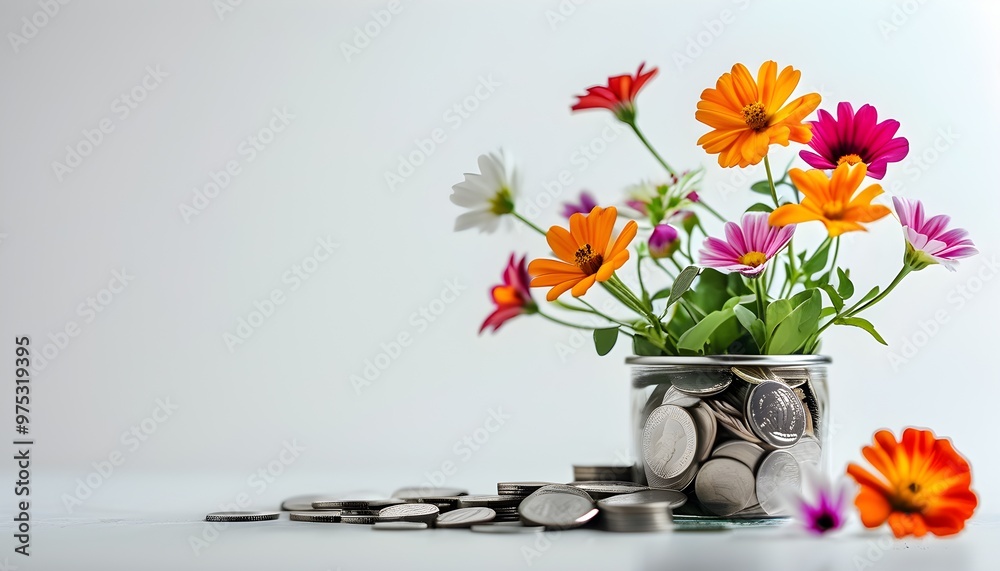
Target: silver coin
[(724, 486), (609, 472), (778, 478), (409, 512), (558, 507), (746, 452), (465, 517), (354, 504), (242, 516), (599, 490), (679, 483), (503, 527), (519, 488), (359, 519), (754, 375), (701, 382), (704, 420), (807, 451), (399, 525), (303, 503), (775, 414), (419, 492), (792, 377), (677, 398), (488, 501), (316, 516), (644, 500), (669, 441)]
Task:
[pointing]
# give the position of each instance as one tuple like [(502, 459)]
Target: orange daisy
[(832, 200), (924, 485), (747, 116), (586, 251)]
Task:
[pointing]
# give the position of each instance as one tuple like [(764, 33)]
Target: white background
[(934, 69)]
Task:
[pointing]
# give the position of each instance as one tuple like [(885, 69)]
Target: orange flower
[(925, 485), (586, 250), (832, 200), (747, 116)]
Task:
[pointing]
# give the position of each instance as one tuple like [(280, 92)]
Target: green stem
[(714, 212), (564, 323), (664, 268), (642, 138), (642, 286), (595, 311), (836, 252), (529, 223), (761, 296), (770, 181), (899, 277)]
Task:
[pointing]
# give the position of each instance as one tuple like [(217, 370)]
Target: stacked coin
[(733, 439), (607, 472), (558, 507), (647, 510), (505, 506)]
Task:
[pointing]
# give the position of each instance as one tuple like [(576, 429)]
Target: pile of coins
[(734, 439), (518, 507)]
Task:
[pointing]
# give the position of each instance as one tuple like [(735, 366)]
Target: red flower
[(512, 297), (618, 96)]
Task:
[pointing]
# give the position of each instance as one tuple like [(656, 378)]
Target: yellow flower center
[(755, 116), (851, 159), (833, 210), (753, 259), (588, 260), (502, 202)]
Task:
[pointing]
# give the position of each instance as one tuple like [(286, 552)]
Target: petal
[(560, 289), (583, 285), (562, 243), (873, 507), (473, 219), (624, 239), (792, 214)]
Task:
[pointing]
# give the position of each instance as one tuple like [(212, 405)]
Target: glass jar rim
[(733, 360)]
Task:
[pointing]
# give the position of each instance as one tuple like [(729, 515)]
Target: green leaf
[(863, 324), (777, 311), (869, 296), (697, 337), (665, 292), (818, 260), (827, 312), (605, 339), (642, 346), (761, 207), (682, 284), (750, 322), (844, 286), (761, 187), (793, 332), (835, 299)]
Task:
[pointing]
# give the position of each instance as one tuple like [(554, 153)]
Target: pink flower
[(822, 505), (586, 204), (927, 241), (664, 240), (748, 245), (512, 297), (855, 138)]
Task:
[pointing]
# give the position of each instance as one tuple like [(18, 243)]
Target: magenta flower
[(586, 204), (748, 245), (927, 241), (693, 196), (821, 506), (664, 240), (855, 138), (512, 297)]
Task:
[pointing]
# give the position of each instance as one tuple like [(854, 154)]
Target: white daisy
[(489, 195)]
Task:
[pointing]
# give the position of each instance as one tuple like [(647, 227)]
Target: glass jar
[(735, 433)]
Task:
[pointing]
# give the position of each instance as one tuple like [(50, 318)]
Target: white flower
[(489, 195)]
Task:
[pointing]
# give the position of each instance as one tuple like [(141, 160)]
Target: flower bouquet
[(729, 397)]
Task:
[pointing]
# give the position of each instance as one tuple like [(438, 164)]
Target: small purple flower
[(855, 138), (693, 196), (748, 246), (822, 505), (928, 241), (664, 240), (586, 204)]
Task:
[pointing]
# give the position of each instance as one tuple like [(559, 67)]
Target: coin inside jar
[(724, 486), (669, 441), (775, 414), (778, 477)]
